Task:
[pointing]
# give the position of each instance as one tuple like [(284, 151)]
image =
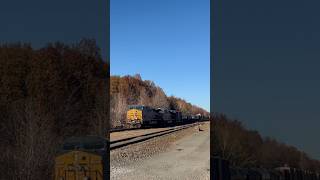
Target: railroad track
[(132, 140), (127, 129), (123, 129)]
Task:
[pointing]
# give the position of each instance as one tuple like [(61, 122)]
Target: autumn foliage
[(130, 90), (246, 148), (46, 95)]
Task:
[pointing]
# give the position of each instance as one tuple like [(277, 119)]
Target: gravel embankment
[(133, 155)]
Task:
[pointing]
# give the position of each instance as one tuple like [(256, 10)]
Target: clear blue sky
[(39, 22), (267, 68), (166, 41)]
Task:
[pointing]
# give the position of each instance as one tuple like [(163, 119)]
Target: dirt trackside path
[(187, 158)]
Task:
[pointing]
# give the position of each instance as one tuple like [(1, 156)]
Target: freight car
[(82, 158), (145, 116), (167, 118), (139, 115), (283, 173), (177, 116), (289, 173), (222, 170)]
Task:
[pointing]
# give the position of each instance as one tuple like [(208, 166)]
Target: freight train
[(86, 157), (83, 158), (282, 173), (222, 171), (145, 116)]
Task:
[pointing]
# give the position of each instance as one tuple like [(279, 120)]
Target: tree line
[(132, 90), (46, 95), (57, 91), (247, 148)]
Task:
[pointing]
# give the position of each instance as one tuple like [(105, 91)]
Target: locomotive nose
[(135, 115)]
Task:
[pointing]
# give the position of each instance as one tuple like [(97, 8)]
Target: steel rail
[(132, 140)]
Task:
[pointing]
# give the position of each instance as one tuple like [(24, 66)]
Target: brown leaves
[(246, 148), (46, 95), (131, 90)]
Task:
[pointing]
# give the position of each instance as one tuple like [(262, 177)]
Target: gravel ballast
[(127, 160)]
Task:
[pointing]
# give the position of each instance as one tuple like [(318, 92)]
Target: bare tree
[(47, 95), (160, 99), (32, 153), (143, 98), (118, 109), (101, 119)]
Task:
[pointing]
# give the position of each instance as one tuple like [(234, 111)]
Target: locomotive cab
[(139, 115), (82, 158), (135, 116)]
